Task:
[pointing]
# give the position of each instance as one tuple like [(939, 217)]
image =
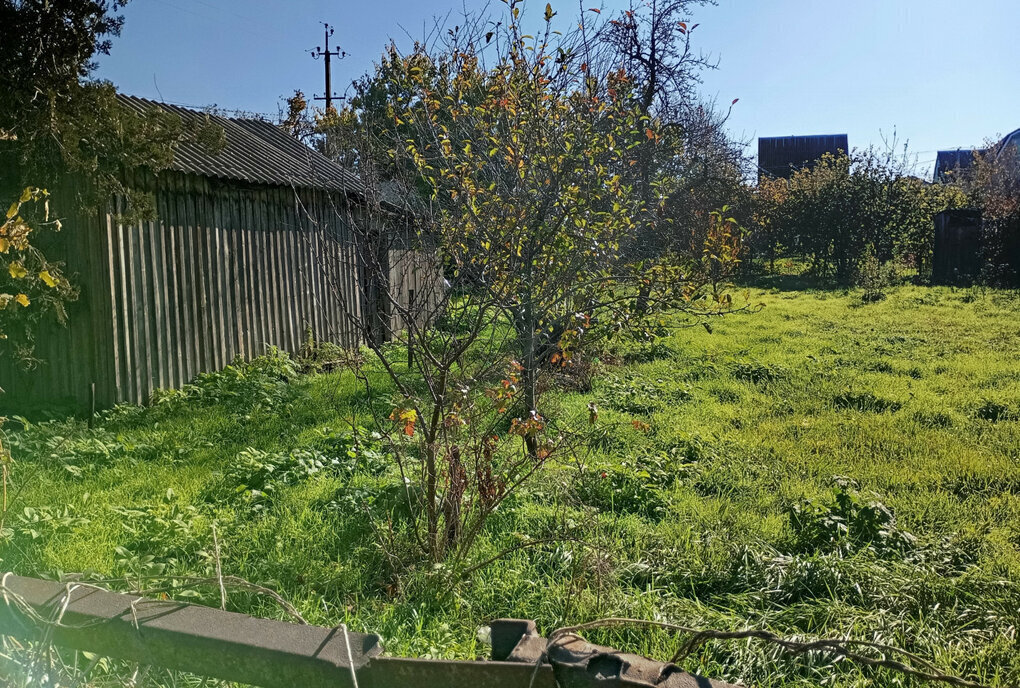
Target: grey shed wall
[(228, 269)]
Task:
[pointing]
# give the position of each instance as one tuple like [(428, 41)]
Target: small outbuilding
[(251, 247)]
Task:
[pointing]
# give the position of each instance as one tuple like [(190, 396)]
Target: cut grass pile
[(820, 468)]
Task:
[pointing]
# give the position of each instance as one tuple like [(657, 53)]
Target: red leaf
[(592, 9), (734, 101), (682, 26)]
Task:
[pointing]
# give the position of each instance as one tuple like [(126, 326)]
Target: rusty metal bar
[(275, 654), (577, 663)]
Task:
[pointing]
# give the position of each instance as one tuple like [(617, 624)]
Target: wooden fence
[(227, 270)]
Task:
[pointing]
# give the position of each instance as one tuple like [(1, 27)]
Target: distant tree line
[(846, 209), (851, 210)]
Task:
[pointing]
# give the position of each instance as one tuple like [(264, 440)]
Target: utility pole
[(327, 53)]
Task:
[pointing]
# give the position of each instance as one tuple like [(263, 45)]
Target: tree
[(691, 167), (29, 284), (914, 204), (769, 222), (515, 174), (994, 186), (56, 121)]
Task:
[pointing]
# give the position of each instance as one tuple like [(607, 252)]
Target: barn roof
[(256, 152), (779, 156)]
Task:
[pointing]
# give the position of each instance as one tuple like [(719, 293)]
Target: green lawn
[(819, 468)]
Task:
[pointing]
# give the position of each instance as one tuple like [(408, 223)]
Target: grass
[(823, 467)]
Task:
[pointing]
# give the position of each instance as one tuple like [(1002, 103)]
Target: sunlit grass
[(914, 400)]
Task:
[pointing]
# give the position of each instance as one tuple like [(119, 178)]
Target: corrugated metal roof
[(256, 151), (780, 156)]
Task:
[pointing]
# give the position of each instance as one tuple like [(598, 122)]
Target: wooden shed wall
[(226, 270), (64, 354), (957, 248)]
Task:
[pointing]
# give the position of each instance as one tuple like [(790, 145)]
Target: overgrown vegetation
[(820, 468), (851, 215)]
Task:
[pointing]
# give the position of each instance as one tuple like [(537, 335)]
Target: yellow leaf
[(17, 270), (46, 277), (26, 195), (22, 299), (4, 245), (12, 211)]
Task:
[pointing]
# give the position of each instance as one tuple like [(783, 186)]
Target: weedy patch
[(933, 419), (995, 411), (43, 522), (621, 490), (866, 402), (262, 383), (846, 521), (648, 353), (758, 373), (257, 476), (641, 396)]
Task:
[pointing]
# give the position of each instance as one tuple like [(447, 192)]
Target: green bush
[(845, 522), (263, 382)]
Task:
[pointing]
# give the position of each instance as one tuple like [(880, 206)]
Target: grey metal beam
[(274, 654), (192, 638)]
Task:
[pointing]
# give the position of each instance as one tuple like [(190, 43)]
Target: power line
[(327, 53)]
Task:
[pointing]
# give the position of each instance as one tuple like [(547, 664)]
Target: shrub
[(263, 382), (845, 522)]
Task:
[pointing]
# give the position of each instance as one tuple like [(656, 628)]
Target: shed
[(957, 251), (781, 156), (251, 247)]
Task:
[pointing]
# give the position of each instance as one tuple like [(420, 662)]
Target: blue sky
[(942, 73)]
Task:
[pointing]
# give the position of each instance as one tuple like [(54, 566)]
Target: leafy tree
[(515, 170), (913, 206), (994, 182), (769, 223), (994, 186), (56, 121), (29, 284)]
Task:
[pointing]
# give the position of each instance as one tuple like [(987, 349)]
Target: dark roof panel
[(780, 156), (948, 160), (256, 151)]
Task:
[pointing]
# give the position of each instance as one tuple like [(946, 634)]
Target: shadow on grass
[(788, 282)]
